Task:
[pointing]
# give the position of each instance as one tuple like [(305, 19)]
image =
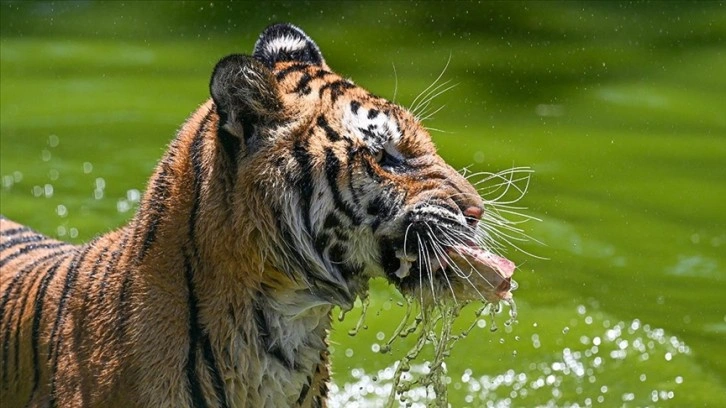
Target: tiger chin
[(279, 198)]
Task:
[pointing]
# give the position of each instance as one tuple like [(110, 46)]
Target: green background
[(618, 107)]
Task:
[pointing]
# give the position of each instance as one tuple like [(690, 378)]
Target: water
[(616, 107)]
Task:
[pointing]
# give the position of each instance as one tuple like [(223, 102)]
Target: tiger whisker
[(395, 83), (414, 103), (437, 251), (424, 97)]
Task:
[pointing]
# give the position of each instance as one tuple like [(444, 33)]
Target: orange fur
[(218, 292)]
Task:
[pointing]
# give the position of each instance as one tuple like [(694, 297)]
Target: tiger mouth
[(478, 270)]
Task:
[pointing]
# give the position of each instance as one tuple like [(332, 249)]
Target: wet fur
[(270, 207)]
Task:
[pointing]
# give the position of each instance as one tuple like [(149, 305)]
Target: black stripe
[(217, 380), (305, 390), (263, 330), (111, 265), (18, 280), (280, 356), (304, 182), (232, 145), (338, 253), (352, 153), (14, 231), (195, 153), (332, 168), (371, 172), (303, 85), (30, 248), (323, 390), (22, 240), (195, 387), (321, 73), (290, 69), (331, 222), (196, 332), (156, 207), (369, 134), (123, 306), (332, 135), (381, 210), (96, 266), (68, 285), (37, 315), (336, 89), (18, 325)]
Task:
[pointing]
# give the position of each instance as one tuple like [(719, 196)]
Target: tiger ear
[(245, 94), (285, 42)]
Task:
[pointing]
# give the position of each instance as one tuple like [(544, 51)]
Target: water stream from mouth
[(434, 326)]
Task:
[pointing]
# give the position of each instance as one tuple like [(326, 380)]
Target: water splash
[(595, 349)]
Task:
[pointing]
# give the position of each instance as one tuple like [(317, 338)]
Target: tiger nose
[(473, 215)]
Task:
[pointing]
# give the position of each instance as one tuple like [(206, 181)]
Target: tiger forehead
[(344, 110)]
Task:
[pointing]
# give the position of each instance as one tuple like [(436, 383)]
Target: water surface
[(617, 107)]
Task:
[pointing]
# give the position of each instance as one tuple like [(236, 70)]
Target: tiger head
[(347, 185)]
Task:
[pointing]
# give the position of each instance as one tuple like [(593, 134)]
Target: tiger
[(279, 199)]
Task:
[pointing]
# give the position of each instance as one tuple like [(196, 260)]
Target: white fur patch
[(383, 127), (285, 43), (441, 213)]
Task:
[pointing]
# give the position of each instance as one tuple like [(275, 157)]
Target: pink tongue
[(503, 266)]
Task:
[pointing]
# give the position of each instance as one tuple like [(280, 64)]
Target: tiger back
[(278, 199)]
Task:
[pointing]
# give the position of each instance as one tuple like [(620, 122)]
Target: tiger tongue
[(503, 266), (493, 272)]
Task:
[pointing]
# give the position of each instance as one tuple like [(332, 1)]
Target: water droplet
[(122, 206), (7, 181), (565, 330), (133, 195), (61, 210)]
